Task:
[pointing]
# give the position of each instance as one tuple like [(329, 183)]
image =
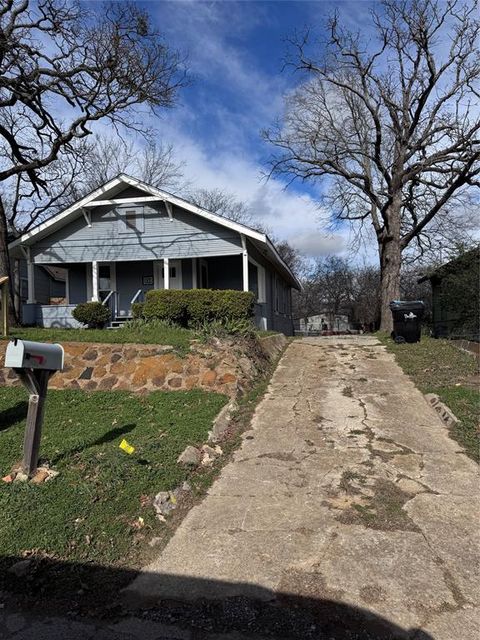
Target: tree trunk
[(6, 266), (390, 264)]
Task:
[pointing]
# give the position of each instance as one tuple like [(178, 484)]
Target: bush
[(137, 310), (194, 307), (242, 328), (93, 314)]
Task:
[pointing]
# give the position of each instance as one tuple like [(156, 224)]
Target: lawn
[(438, 366), (91, 511), (155, 333)]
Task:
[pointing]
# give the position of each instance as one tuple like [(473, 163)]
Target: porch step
[(119, 321)]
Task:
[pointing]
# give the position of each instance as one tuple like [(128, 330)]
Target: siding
[(276, 320), (184, 236)]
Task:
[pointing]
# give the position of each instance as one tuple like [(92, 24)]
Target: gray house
[(128, 237)]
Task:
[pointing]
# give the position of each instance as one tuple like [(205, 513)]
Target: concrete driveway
[(347, 501)]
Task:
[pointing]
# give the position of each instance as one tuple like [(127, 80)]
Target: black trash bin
[(407, 320)]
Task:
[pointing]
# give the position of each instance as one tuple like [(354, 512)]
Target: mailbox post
[(34, 363)]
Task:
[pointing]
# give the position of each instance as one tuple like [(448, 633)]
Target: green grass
[(438, 366), (88, 513), (176, 337)]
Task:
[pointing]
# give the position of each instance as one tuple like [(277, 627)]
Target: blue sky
[(236, 51)]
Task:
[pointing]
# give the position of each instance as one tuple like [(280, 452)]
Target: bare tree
[(63, 68), (334, 278), (306, 302), (154, 163), (392, 124), (223, 203), (366, 297), (292, 257)]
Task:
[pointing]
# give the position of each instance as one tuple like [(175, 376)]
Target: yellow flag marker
[(126, 447)]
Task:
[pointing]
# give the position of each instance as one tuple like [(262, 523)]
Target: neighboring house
[(455, 296), (127, 237), (323, 322)]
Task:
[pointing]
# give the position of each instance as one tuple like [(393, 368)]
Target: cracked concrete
[(356, 507), (270, 523)]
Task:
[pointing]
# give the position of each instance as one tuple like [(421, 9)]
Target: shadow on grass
[(111, 435), (93, 594), (15, 414)]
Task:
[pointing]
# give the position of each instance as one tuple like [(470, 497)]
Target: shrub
[(137, 310), (93, 314), (166, 304), (193, 307), (243, 328)]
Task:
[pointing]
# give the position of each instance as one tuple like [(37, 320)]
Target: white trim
[(194, 274), (245, 263), (31, 278), (88, 217), (157, 194), (157, 274), (88, 272), (117, 201), (166, 273), (95, 281), (64, 214), (169, 209), (67, 285)]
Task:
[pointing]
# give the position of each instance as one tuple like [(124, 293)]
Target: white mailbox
[(24, 354)]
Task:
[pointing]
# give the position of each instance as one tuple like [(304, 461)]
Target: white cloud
[(319, 244)]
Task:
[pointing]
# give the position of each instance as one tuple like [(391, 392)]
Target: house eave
[(78, 208)]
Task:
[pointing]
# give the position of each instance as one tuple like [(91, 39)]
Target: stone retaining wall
[(225, 366)]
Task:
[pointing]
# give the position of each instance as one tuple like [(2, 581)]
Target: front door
[(175, 267)]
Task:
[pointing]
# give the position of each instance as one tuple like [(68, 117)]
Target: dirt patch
[(371, 593), (308, 584), (286, 457), (384, 510), (347, 392)]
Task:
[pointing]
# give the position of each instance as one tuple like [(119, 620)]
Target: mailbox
[(24, 354), (34, 363)]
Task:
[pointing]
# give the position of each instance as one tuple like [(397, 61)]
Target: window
[(281, 296), (131, 220)]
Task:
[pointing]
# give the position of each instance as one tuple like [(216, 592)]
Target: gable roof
[(106, 195)]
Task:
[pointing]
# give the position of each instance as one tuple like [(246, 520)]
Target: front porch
[(119, 284)]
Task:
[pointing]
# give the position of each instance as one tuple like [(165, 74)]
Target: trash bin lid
[(406, 305)]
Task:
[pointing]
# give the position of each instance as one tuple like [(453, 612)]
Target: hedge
[(93, 314), (192, 307)]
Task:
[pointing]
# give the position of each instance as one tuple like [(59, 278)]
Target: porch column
[(30, 279), (194, 274), (245, 263), (166, 273), (94, 281)]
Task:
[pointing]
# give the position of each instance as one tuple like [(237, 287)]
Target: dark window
[(131, 220), (203, 276)]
